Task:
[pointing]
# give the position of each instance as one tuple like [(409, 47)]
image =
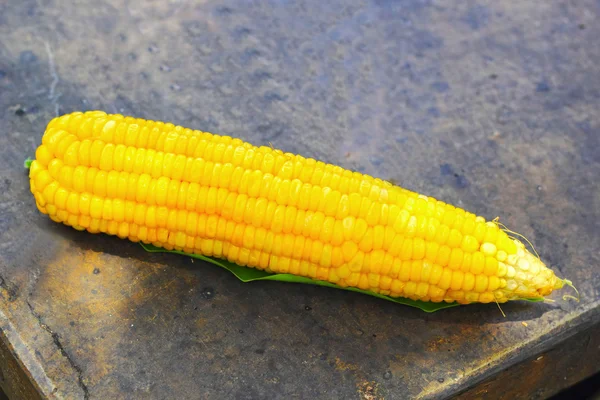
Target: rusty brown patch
[(443, 343), (366, 390)]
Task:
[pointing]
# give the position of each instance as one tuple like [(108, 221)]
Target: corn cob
[(262, 208)]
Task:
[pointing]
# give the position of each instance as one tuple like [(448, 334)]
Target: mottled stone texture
[(493, 106)]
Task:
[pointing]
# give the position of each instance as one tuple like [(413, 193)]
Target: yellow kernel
[(472, 297), (42, 179), (449, 216), (415, 271), (142, 186), (366, 267), (366, 243), (422, 289), (454, 239), (442, 234), (385, 214), (401, 221), (388, 237), (507, 244), (480, 229), (410, 288), (373, 280), (386, 264), (436, 294), (418, 252), (489, 249), (468, 226), (396, 266), (411, 226), (373, 214), (397, 286), (72, 154), (456, 294), (363, 282), (344, 271), (73, 203), (376, 261), (303, 268), (43, 155), (405, 270), (106, 157), (353, 279), (436, 274), (466, 264), (378, 237), (433, 226), (491, 266), (356, 263), (426, 268), (494, 283), (456, 259), (446, 279), (534, 267), (96, 205), (501, 256), (360, 229), (325, 235), (396, 246), (112, 227), (349, 250), (348, 225), (457, 280), (325, 259), (316, 200), (421, 226), (468, 282), (478, 263), (443, 256), (486, 297), (469, 244), (523, 264), (481, 283), (491, 233), (354, 202), (385, 283), (431, 251), (502, 269), (337, 258), (406, 250), (333, 276)]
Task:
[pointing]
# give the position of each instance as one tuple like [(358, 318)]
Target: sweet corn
[(262, 208)]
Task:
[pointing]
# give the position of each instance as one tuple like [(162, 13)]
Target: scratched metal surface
[(491, 106)]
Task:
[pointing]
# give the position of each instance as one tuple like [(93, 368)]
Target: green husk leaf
[(27, 162), (245, 274)]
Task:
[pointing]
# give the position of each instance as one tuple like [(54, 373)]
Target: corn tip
[(570, 284)]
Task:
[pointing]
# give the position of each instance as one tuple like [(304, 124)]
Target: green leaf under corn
[(27, 162), (245, 274)]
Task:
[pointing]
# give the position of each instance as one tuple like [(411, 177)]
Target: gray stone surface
[(492, 106)]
